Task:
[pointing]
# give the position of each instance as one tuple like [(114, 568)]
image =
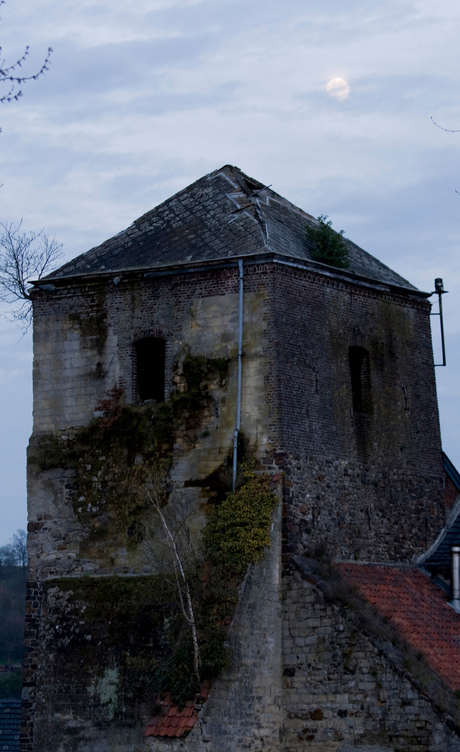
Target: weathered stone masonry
[(340, 691), (354, 481), (348, 482), (195, 314), (338, 393)]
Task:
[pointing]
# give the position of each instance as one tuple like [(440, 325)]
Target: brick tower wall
[(363, 472)]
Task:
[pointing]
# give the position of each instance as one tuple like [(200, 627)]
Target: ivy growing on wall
[(136, 623), (121, 463), (238, 530), (116, 454)]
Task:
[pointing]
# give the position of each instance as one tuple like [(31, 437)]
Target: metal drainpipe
[(455, 602), (240, 355)]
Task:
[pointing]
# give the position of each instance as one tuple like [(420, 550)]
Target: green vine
[(136, 623), (117, 454), (114, 459), (238, 530)]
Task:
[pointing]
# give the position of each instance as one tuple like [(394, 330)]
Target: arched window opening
[(360, 372), (150, 369)]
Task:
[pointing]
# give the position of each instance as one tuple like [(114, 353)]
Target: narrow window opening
[(360, 372), (150, 369)]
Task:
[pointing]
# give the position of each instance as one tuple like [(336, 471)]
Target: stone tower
[(331, 372)]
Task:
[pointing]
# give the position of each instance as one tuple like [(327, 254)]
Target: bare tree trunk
[(183, 588)]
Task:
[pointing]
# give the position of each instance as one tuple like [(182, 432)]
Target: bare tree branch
[(7, 559), (10, 75), (447, 130), (18, 546), (15, 552), (181, 582), (24, 256)]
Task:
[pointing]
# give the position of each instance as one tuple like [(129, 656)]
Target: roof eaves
[(271, 197), (358, 279), (149, 271), (242, 189), (216, 263), (416, 608)]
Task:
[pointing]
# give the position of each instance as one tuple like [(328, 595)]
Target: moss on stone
[(118, 455), (135, 624), (218, 484), (133, 627), (132, 623), (93, 325)]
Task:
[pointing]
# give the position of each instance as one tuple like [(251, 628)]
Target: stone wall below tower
[(341, 692), (79, 699)]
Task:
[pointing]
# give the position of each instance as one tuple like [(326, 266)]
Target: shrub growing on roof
[(329, 245)]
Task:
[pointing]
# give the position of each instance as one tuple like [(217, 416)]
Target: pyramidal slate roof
[(224, 215)]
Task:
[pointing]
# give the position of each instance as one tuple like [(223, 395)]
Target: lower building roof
[(416, 608), (10, 725), (172, 720)]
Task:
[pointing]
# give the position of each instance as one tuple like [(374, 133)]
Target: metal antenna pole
[(440, 291)]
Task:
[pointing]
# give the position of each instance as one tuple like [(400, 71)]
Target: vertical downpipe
[(455, 602), (240, 355)]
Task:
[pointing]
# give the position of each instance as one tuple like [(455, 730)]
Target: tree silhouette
[(24, 256), (10, 74)]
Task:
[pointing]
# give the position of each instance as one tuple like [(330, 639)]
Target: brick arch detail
[(150, 332)]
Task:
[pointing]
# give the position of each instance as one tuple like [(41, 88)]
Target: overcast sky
[(143, 98)]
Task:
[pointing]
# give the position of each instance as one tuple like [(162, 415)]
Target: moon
[(338, 88)]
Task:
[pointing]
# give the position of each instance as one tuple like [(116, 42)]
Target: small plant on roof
[(329, 245)]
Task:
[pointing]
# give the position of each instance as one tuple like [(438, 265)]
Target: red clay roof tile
[(173, 722), (416, 608)]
